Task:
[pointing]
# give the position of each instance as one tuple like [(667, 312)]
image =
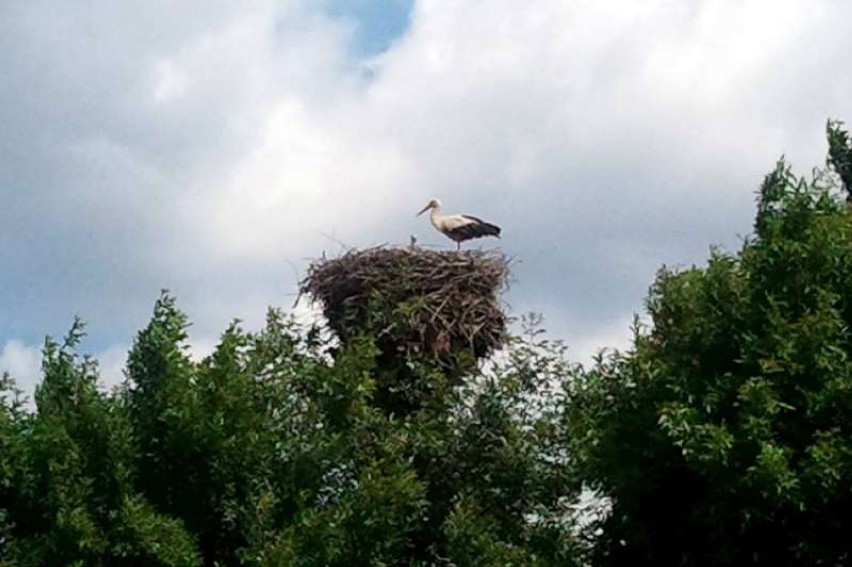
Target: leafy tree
[(68, 495), (840, 154), (12, 451), (230, 445), (401, 489), (723, 436), (274, 450)]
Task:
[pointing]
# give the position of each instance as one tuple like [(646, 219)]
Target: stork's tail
[(488, 229)]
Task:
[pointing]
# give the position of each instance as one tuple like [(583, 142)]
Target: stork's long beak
[(426, 208)]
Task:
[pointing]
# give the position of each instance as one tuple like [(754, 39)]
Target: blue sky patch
[(378, 22)]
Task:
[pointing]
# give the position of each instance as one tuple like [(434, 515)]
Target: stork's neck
[(435, 215)]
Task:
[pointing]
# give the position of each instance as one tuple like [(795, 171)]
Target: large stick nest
[(414, 301)]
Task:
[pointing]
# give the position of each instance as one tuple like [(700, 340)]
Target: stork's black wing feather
[(476, 229)]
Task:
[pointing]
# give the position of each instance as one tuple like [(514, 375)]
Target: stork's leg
[(458, 246)]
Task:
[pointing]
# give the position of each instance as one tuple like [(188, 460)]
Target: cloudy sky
[(213, 148)]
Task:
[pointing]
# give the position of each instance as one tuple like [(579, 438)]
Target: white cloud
[(23, 364), (171, 83), (209, 150), (111, 365), (307, 177)]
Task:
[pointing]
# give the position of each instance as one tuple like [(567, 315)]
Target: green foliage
[(273, 450), (68, 493), (724, 436), (840, 153)]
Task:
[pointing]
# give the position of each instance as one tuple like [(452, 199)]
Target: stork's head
[(433, 204)]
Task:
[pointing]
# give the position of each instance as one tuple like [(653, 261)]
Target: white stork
[(459, 227)]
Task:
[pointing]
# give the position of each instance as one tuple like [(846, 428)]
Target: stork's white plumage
[(459, 227)]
